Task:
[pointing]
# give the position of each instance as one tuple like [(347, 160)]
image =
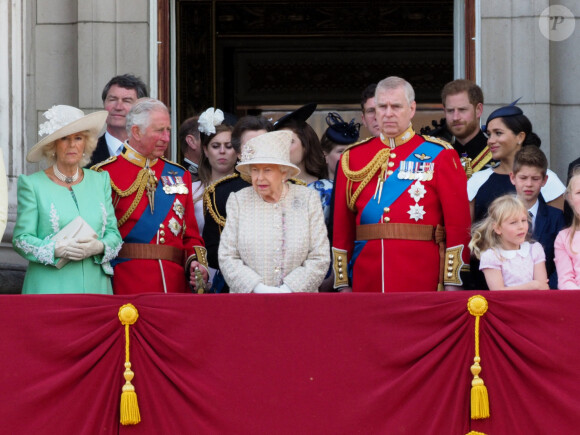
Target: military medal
[(178, 208), (181, 187), (416, 212), (430, 172), (174, 226), (168, 185), (417, 191)]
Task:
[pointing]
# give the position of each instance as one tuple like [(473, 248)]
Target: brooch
[(248, 152)]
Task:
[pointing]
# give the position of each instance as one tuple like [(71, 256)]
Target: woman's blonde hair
[(483, 235), (90, 145), (575, 225)]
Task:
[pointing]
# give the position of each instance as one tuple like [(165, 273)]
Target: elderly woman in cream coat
[(275, 240)]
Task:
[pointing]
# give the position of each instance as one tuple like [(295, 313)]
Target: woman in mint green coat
[(61, 261)]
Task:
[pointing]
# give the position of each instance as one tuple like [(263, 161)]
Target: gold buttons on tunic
[(386, 219), (162, 240), (393, 155), (161, 226), (389, 172), (387, 209), (161, 233), (391, 164)]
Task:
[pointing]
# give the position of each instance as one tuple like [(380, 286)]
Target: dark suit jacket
[(549, 222), (568, 213), (101, 152)]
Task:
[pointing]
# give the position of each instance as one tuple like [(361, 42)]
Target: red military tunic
[(435, 195), (172, 223)]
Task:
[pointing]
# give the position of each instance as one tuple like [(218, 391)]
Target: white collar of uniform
[(522, 252)]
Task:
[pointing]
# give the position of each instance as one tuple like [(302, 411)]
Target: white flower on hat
[(248, 152), (57, 117), (209, 119)]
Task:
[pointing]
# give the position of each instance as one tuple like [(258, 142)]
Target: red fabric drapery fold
[(288, 364)]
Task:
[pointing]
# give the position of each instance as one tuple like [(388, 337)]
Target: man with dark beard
[(463, 104)]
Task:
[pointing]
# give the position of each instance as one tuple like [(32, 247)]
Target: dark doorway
[(246, 56)]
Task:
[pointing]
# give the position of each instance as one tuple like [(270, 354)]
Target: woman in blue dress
[(508, 130)]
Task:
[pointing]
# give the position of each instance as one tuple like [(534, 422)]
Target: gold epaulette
[(297, 181), (438, 141), (209, 199), (97, 166), (172, 163), (360, 142)]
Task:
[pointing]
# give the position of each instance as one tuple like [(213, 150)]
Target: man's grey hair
[(140, 113), (394, 82)]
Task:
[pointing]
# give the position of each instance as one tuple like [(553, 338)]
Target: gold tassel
[(473, 432), (128, 315), (477, 306)]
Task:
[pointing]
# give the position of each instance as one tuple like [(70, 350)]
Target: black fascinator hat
[(505, 111), (301, 115), (341, 132)]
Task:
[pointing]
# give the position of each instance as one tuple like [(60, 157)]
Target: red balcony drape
[(290, 364)]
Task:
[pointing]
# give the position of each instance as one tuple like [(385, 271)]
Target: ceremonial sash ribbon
[(148, 224)]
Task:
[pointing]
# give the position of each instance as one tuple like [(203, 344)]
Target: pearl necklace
[(64, 178)]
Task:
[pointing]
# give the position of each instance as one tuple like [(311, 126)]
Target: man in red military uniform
[(401, 214), (154, 209)]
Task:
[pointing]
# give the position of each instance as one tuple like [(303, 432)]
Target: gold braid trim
[(138, 185), (209, 200), (364, 175)]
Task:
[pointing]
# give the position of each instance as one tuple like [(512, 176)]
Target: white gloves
[(262, 288), (77, 250), (65, 248), (89, 247)]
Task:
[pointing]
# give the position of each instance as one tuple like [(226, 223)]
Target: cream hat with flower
[(268, 148), (62, 121)]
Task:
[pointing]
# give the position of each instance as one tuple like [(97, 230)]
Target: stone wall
[(517, 60)]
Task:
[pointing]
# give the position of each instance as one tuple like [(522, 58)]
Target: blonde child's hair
[(575, 225), (483, 236)]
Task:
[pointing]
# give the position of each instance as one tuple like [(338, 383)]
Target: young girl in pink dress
[(567, 243), (501, 241)]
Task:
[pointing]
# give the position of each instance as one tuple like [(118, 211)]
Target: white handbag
[(78, 228)]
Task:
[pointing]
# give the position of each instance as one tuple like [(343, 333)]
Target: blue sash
[(393, 188), (148, 224)]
